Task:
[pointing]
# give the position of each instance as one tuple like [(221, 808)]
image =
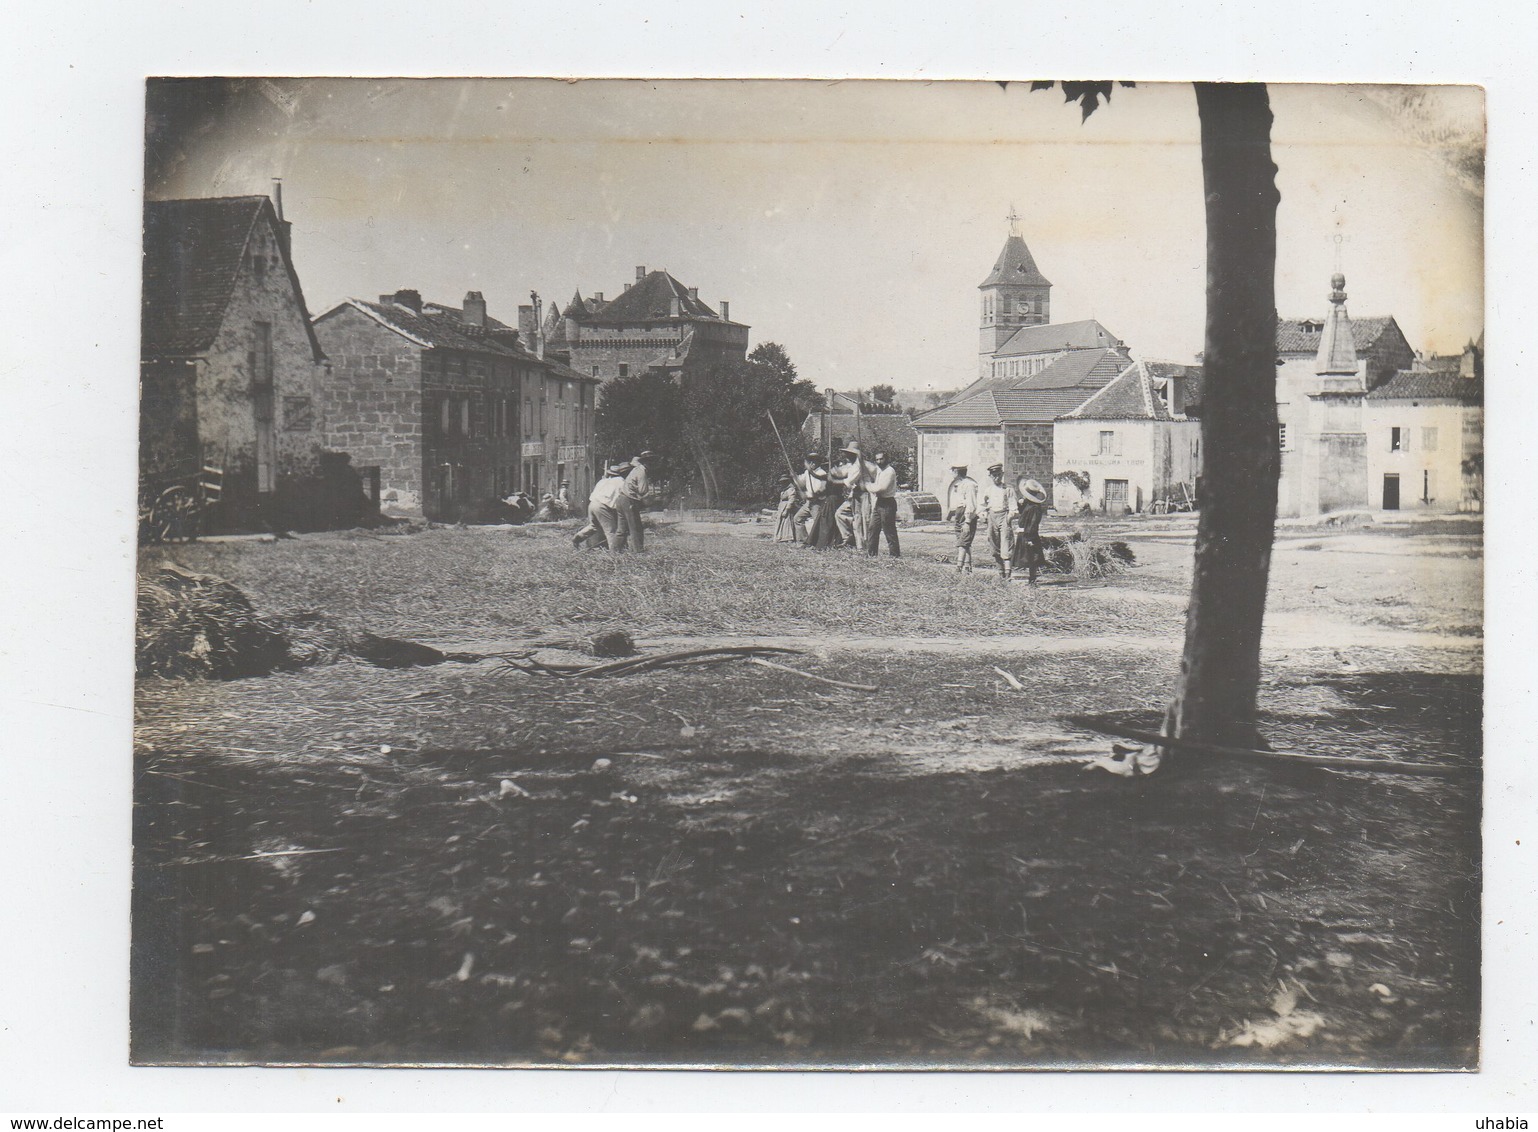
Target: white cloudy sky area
[(852, 221)]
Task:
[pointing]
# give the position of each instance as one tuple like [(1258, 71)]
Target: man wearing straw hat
[(813, 482), (996, 505), (632, 496), (853, 514), (961, 509), (1027, 524), (603, 513)]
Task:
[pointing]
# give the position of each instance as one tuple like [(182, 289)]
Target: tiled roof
[(576, 308), (1037, 406), (1015, 265), (1409, 384), (1050, 337), (1131, 397), (1079, 369), (651, 300), (1293, 338), (1076, 368), (1191, 375), (1005, 406), (193, 251), (979, 411), (438, 329)]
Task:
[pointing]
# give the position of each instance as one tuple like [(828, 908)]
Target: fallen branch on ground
[(641, 664), (1287, 758), (1013, 683), (811, 676)]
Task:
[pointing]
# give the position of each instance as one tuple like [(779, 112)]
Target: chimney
[(526, 322), (640, 273), (538, 337), (726, 311), (598, 298), (475, 309), (1175, 394), (623, 288), (406, 297), (284, 227), (694, 294)]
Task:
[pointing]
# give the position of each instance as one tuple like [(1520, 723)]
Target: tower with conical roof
[(1015, 294)]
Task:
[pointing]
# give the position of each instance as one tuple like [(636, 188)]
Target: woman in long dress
[(1033, 507)]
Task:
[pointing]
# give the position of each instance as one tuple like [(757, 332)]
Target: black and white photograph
[(809, 574)]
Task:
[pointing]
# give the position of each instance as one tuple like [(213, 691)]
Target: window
[(464, 417), (595, 371), (624, 370), (258, 267), (1107, 444), (446, 416), (528, 418), (1281, 437), (1428, 439), (1396, 440)]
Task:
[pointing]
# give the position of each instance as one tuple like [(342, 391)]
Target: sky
[(850, 221)]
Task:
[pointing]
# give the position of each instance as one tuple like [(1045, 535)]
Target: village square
[(606, 678)]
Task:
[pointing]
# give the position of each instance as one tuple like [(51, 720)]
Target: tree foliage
[(886, 394), (709, 426)]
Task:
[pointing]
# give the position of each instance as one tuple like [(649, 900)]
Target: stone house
[(1011, 422), (451, 406), (655, 323), (1325, 367), (1425, 441), (230, 368), (1128, 446)]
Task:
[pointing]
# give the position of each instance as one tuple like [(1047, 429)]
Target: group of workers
[(851, 504), (614, 508), (1011, 515), (854, 503)]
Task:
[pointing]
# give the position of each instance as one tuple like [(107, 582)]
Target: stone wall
[(373, 403), (1028, 452), (226, 388), (940, 448)]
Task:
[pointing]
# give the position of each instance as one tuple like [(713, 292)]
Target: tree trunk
[(1215, 701)]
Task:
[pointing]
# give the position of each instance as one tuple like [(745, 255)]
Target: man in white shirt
[(813, 484), (853, 515), (603, 511), (961, 509), (637, 483), (883, 493), (996, 506)]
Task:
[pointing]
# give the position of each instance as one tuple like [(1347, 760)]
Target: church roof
[(1015, 265), (1449, 384), (1131, 397), (651, 300), (1051, 337)]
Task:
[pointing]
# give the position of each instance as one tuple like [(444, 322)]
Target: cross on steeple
[(1014, 221)]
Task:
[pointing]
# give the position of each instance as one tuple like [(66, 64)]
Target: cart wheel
[(176, 516)]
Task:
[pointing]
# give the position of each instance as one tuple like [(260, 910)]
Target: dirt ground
[(726, 863)]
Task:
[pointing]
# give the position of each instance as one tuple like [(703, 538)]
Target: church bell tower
[(1015, 294)]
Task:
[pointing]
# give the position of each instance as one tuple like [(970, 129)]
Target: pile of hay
[(194, 625), (1084, 554)]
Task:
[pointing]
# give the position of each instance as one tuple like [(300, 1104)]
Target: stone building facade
[(1128, 447), (230, 368), (1325, 369), (1424, 439), (451, 406)]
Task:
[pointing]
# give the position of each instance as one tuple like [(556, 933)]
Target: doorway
[(1390, 492)]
